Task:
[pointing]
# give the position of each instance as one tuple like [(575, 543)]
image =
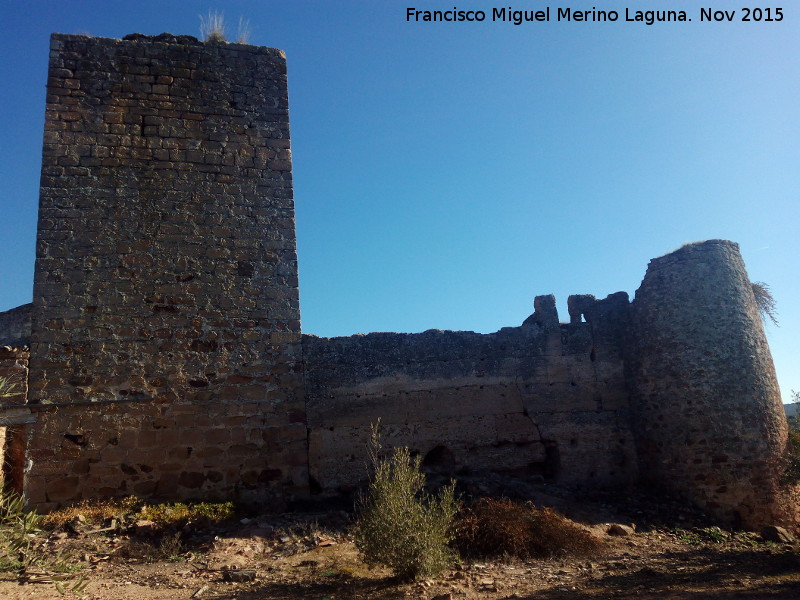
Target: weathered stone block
[(61, 489)]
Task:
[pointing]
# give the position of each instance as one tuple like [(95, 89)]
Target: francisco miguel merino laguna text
[(517, 17), (647, 17)]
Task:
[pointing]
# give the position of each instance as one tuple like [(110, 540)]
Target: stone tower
[(166, 326), (707, 411)]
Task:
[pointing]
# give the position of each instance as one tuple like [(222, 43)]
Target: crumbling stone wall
[(709, 421), (13, 417), (543, 399), (15, 326), (166, 331)]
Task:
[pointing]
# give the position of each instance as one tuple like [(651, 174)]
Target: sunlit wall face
[(447, 173)]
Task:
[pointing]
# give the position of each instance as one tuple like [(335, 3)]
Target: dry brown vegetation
[(673, 554), (765, 301), (493, 528)]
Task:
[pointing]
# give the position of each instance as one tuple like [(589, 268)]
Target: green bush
[(18, 529), (699, 536), (22, 550), (400, 525), (179, 514), (6, 387)]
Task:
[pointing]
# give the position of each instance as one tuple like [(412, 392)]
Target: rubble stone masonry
[(707, 410), (544, 400), (15, 326), (165, 355)]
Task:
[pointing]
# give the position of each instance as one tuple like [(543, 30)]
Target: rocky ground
[(673, 553)]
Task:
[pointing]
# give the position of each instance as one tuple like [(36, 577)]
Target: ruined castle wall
[(708, 415), (166, 355), (14, 417), (541, 399), (15, 326)]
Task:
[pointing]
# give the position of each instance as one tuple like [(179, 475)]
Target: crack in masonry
[(525, 410), (598, 398)]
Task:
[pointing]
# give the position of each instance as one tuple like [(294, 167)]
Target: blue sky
[(447, 173)]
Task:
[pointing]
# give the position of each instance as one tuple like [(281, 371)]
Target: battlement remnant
[(545, 313)]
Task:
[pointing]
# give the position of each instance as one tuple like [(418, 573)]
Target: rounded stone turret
[(708, 417)]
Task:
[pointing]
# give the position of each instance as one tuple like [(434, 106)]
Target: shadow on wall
[(546, 401)]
